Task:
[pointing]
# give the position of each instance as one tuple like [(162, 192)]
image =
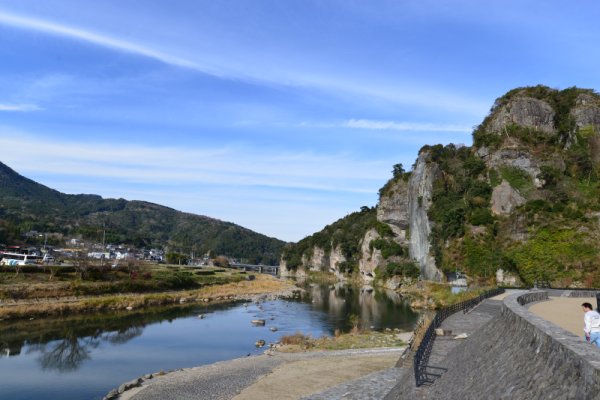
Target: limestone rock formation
[(393, 208), (420, 191), (369, 260), (524, 111), (586, 111), (505, 199), (318, 260), (530, 180), (335, 259)]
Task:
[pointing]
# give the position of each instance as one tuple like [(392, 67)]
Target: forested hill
[(525, 198), (26, 205)]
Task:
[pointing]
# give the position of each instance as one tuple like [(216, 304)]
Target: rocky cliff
[(524, 199)]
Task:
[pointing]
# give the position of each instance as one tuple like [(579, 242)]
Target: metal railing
[(423, 352)]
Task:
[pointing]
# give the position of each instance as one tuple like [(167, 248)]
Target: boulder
[(258, 322), (505, 199)]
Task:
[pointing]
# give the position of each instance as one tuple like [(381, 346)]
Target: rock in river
[(258, 322)]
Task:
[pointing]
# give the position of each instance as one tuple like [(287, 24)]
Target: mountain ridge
[(27, 205)]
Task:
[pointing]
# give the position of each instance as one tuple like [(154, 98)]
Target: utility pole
[(103, 244)]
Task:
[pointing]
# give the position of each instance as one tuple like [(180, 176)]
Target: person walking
[(591, 324)]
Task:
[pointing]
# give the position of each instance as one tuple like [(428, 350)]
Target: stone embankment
[(516, 355)]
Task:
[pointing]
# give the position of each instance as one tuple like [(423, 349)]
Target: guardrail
[(423, 352)]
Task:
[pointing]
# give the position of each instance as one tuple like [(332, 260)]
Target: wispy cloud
[(258, 71), (19, 107), (225, 166), (92, 37), (403, 126)]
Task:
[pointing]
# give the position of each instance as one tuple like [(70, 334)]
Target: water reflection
[(374, 307), (66, 355), (85, 356), (65, 343)]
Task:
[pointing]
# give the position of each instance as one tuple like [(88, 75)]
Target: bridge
[(261, 269)]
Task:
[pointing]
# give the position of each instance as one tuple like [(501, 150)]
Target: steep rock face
[(369, 261), (318, 261), (517, 159), (283, 268), (505, 199), (524, 111), (420, 187), (335, 258), (586, 111), (393, 209), (284, 271)]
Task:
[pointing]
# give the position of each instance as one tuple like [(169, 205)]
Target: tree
[(398, 170), (81, 264), (133, 267), (177, 258)]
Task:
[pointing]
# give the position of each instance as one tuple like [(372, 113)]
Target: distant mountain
[(26, 205)]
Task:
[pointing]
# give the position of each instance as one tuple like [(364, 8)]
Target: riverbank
[(275, 375), (217, 293)]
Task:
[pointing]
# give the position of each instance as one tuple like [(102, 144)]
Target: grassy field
[(38, 282), (33, 292)]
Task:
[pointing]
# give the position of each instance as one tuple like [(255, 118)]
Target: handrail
[(424, 350)]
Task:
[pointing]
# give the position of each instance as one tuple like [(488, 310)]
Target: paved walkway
[(243, 377), (458, 323), (277, 376)]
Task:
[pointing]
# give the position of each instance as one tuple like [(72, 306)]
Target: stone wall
[(519, 355)]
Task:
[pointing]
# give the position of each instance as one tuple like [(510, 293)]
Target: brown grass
[(297, 339), (263, 284), (299, 342)]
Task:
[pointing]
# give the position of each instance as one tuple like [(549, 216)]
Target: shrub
[(407, 269), (388, 247), (481, 216)]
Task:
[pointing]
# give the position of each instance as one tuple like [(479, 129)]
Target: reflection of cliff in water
[(373, 306)]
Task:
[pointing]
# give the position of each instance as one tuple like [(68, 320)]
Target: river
[(83, 357)]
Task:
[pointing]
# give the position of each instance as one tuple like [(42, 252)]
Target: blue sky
[(281, 116)]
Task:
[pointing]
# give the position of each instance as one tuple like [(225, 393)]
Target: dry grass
[(263, 284), (297, 339), (299, 342)]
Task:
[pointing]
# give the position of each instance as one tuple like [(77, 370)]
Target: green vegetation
[(398, 174), (554, 254), (26, 205), (517, 178), (345, 233), (550, 237), (388, 248), (405, 269), (461, 195)]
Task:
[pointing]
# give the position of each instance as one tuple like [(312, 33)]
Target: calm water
[(84, 357)]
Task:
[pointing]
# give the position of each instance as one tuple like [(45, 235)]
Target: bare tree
[(133, 266), (82, 264)]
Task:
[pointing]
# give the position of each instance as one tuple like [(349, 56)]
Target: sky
[(280, 116)]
